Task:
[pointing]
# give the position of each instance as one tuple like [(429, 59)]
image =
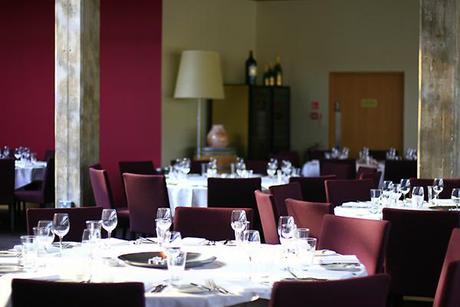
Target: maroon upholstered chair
[(354, 292), (7, 174), (395, 170), (342, 169), (416, 247), (27, 292), (379, 155), (77, 218), (448, 290), (39, 192), (449, 184), (145, 194), (313, 188), (258, 166), (340, 191), (209, 223), (134, 167), (364, 238), (292, 156), (365, 170), (308, 214), (102, 192), (266, 210), (375, 177), (195, 166), (281, 192)]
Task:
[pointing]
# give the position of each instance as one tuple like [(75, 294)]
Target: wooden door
[(371, 110)]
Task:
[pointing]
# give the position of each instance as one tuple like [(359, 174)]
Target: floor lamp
[(199, 77)]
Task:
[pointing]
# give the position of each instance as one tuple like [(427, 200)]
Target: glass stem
[(109, 234), (60, 244)]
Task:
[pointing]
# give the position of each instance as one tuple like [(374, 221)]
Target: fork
[(212, 284)]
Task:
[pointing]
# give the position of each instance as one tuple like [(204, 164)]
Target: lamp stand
[(198, 129)]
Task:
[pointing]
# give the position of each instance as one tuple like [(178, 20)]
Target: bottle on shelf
[(271, 75), (251, 69), (278, 72), (266, 76)]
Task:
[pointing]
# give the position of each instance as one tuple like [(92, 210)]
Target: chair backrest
[(365, 170), (77, 219), (354, 292), (145, 194), (196, 165), (448, 290), (342, 169), (258, 166), (375, 177), (101, 187), (268, 220), (281, 192), (315, 154), (340, 191), (308, 214), (209, 223), (313, 187), (395, 170), (49, 153), (27, 292), (379, 155), (366, 239), (48, 182), (292, 156), (416, 247), (449, 184), (134, 167), (7, 174)]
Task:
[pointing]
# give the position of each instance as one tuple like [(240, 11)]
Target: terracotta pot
[(217, 137)]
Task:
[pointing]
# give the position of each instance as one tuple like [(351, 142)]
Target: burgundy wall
[(27, 74), (130, 84)]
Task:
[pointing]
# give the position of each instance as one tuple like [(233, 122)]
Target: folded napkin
[(339, 259), (354, 204), (192, 241)]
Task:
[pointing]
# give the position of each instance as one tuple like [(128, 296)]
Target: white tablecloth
[(193, 190), (231, 270), (26, 173)]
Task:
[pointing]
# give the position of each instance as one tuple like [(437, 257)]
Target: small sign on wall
[(369, 103)]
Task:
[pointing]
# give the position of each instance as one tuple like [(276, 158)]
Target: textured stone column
[(76, 96), (439, 109)]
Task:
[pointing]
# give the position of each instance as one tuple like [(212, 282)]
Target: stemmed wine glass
[(286, 228), (240, 167), (109, 221), (272, 166), (387, 190), (163, 222), (405, 188), (438, 186), (61, 226), (456, 197), (238, 223)]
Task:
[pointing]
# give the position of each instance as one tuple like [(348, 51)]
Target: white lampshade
[(200, 75)]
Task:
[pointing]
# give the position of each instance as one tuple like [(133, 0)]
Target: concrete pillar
[(76, 96), (439, 105)]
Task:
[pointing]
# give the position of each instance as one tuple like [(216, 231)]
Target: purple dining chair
[(7, 174), (134, 167), (395, 170), (365, 170), (448, 290), (257, 166), (313, 188), (145, 194), (341, 191), (30, 292), (342, 169), (77, 219), (308, 214), (209, 223), (367, 239), (353, 292), (281, 192), (375, 177), (268, 220)]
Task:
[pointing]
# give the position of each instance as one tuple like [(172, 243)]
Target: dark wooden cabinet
[(257, 119)]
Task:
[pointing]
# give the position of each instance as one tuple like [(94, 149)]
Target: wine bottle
[(271, 75), (278, 72), (266, 77), (251, 70)]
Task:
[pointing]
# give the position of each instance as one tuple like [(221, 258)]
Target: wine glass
[(272, 166), (47, 224), (238, 223), (61, 226), (396, 193), (438, 186), (18, 153), (109, 221), (456, 197), (286, 167), (405, 188), (417, 196), (387, 189), (286, 228), (163, 222), (240, 167)]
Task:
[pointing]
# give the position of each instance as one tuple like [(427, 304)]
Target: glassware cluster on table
[(337, 153), (391, 193), (21, 154)]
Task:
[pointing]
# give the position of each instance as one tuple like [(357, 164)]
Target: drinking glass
[(286, 168), (430, 193), (163, 222), (48, 224), (286, 228), (305, 251), (272, 166), (175, 259), (405, 188), (301, 233), (86, 236), (18, 153), (387, 190), (41, 238), (109, 221), (376, 195), (238, 223), (61, 226), (396, 194), (94, 227), (456, 197), (438, 186), (417, 196), (251, 242), (29, 252), (240, 167)]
